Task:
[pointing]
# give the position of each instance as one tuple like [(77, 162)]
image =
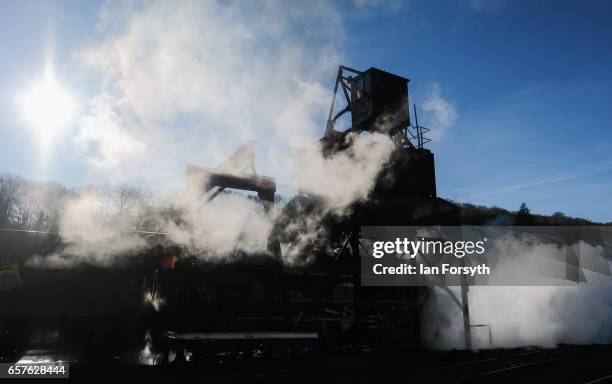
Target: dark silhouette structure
[(258, 301)]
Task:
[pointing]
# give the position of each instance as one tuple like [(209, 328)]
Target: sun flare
[(47, 107)]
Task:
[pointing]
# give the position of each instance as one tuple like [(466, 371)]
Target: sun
[(47, 107)]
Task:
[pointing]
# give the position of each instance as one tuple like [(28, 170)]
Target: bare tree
[(30, 205), (8, 199)]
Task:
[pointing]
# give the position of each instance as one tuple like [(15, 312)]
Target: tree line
[(36, 206), (33, 205)]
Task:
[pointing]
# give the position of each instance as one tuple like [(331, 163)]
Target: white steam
[(102, 226), (188, 82), (347, 176), (519, 316), (228, 224), (94, 230)]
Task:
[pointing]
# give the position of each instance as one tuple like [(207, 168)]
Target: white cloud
[(440, 114)]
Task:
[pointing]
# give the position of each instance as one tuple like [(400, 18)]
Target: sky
[(516, 93)]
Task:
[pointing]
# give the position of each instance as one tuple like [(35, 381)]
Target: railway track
[(587, 365), (576, 365)]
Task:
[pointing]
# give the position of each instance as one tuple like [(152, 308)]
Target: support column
[(465, 308)]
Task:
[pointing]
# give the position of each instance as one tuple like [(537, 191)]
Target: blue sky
[(531, 82), (529, 85)]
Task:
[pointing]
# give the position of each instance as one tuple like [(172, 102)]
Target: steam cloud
[(181, 86), (543, 316), (347, 176), (93, 231), (227, 224), (101, 228)]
